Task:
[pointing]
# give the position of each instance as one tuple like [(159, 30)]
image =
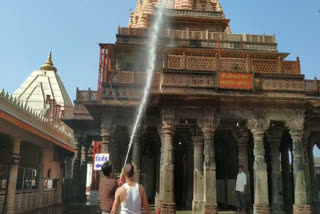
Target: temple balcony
[(204, 39), (84, 96), (193, 13), (128, 85), (226, 64)]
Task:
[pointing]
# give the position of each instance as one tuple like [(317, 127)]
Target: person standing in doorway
[(130, 196), (240, 190), (107, 188)]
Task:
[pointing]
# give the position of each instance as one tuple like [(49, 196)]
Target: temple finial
[(48, 65)]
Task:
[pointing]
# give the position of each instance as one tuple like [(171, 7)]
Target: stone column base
[(197, 206), (278, 209), (301, 209), (168, 208), (261, 209), (210, 208)]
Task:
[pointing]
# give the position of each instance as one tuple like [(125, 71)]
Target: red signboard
[(230, 80)]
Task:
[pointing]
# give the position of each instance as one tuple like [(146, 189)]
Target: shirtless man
[(130, 196)]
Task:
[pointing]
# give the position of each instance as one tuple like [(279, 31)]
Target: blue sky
[(72, 30)]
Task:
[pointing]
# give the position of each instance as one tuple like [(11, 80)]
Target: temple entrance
[(226, 157), (183, 170)]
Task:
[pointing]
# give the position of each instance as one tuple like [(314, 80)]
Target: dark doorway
[(183, 172), (226, 157)]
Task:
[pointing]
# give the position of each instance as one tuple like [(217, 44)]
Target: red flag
[(242, 48), (219, 46)]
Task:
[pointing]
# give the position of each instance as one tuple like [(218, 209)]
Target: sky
[(73, 29)]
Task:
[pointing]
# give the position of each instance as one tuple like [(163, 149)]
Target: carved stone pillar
[(274, 137), (208, 124), (16, 142), (76, 166), (242, 138), (106, 132), (287, 178), (261, 198), (197, 202), (137, 153), (305, 147), (313, 180), (83, 170), (210, 205), (167, 168), (296, 125)]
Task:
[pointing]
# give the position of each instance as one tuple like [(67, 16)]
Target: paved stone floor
[(87, 209)]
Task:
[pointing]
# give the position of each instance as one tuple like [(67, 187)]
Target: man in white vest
[(130, 196), (240, 190)]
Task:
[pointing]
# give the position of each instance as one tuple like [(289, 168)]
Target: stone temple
[(218, 100)]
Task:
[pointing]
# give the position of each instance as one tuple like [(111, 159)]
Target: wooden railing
[(267, 66)]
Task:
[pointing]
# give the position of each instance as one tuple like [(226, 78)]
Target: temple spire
[(171, 4), (146, 10), (139, 7), (48, 65), (186, 4)]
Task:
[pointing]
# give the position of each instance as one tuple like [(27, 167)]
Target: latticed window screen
[(233, 64), (290, 67), (201, 63), (175, 62), (265, 66)]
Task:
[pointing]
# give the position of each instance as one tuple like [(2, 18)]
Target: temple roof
[(141, 17), (48, 65), (39, 84)]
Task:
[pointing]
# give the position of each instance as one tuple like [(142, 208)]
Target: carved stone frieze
[(189, 80), (282, 85)]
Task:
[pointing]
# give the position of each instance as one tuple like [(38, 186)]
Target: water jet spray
[(154, 36)]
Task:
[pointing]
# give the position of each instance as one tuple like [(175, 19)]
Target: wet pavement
[(88, 209), (68, 209)]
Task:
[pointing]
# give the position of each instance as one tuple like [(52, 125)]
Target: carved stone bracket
[(208, 119), (241, 136), (296, 121)]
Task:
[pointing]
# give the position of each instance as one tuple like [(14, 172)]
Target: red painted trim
[(242, 50), (219, 46), (33, 130)]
